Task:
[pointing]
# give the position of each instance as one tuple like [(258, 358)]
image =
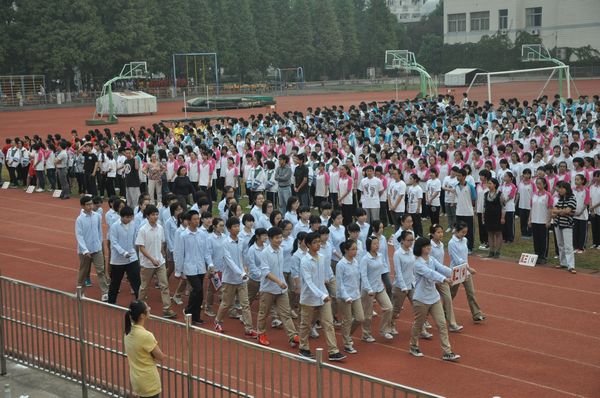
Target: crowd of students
[(364, 168)]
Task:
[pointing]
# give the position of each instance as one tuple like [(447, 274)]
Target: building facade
[(411, 10), (559, 23)]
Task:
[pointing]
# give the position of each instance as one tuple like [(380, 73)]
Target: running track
[(540, 339)]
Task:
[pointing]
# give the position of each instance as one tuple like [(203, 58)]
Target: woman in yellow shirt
[(142, 352)]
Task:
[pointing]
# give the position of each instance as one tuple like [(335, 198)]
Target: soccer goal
[(195, 74)]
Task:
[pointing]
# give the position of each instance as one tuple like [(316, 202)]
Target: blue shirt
[(296, 260), (233, 271), (192, 257), (458, 250), (312, 281), (427, 274), (371, 270), (404, 267), (300, 227), (88, 231), (287, 245), (437, 251), (170, 227), (337, 235), (253, 261), (271, 261), (111, 217), (216, 244), (122, 241), (347, 278)]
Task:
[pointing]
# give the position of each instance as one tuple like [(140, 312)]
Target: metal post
[(188, 335), (568, 81), (84, 391), (2, 353), (319, 358), (174, 78), (184, 106), (217, 74), (489, 87)]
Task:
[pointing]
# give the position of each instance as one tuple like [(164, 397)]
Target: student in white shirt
[(449, 187), (414, 205), (525, 190), (396, 194), (371, 189), (595, 209), (432, 197), (539, 218)]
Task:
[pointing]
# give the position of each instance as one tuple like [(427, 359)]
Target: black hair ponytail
[(133, 314)]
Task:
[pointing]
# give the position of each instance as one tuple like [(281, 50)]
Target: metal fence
[(81, 339)]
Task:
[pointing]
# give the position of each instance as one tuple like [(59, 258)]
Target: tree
[(173, 31), (430, 53), (380, 34), (244, 44), (328, 41), (348, 26), (298, 38)]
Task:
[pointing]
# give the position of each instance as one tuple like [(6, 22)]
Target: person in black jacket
[(183, 187)]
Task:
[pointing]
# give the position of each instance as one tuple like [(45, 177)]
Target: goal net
[(524, 83)]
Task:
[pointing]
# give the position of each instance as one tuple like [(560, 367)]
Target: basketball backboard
[(399, 59), (534, 52)]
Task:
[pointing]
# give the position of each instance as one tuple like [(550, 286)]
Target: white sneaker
[(427, 325), (294, 314), (177, 300), (275, 323), (387, 336), (39, 190), (313, 333), (425, 335), (104, 297), (368, 339)]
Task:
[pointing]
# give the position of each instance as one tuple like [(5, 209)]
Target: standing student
[(539, 219), (274, 290), (459, 254), (595, 209), (143, 352), (580, 218), (562, 213), (234, 280), (91, 166), (151, 244), (348, 279), (132, 178), (396, 194), (301, 187), (432, 195), (314, 297), (283, 177), (371, 189), (482, 189), (414, 204), (525, 190), (217, 239), (508, 192), (465, 199), (345, 196), (426, 299), (62, 168), (371, 268), (88, 231), (322, 185), (493, 217), (449, 188), (123, 256)]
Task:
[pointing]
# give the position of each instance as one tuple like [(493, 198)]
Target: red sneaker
[(295, 341), (218, 327), (262, 339), (251, 334)]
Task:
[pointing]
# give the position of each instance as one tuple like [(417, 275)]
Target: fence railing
[(81, 339)]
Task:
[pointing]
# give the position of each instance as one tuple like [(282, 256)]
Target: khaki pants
[(85, 264), (293, 296), (446, 295), (470, 291), (161, 275), (253, 290), (227, 299), (354, 316), (307, 313), (386, 312), (398, 299), (332, 290), (421, 312), (282, 305)]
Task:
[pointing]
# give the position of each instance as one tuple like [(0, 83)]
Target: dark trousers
[(387, 282), (396, 219), (116, 276), (595, 220), (483, 235), (89, 182), (12, 173), (109, 184), (579, 234), (51, 174), (383, 213), (22, 173), (271, 197), (470, 235), (101, 179), (63, 182), (508, 229), (540, 240), (120, 183), (347, 214), (39, 174), (434, 214), (417, 225), (196, 296), (333, 198), (524, 219), (80, 182)]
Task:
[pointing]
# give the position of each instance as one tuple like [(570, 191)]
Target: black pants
[(80, 183), (579, 234), (383, 213), (116, 276), (387, 282), (272, 197), (206, 190), (51, 174), (434, 214), (417, 225), (524, 220), (483, 235), (120, 183), (347, 214), (109, 184), (470, 235), (90, 184), (595, 220), (22, 172), (101, 180), (396, 219), (333, 198), (540, 240), (508, 229), (12, 173), (196, 296)]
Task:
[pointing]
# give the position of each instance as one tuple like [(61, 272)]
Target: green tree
[(299, 38), (173, 31), (244, 44), (328, 43), (380, 34), (430, 53), (347, 12), (268, 32)]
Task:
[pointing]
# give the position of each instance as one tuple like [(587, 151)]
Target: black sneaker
[(452, 357), (350, 350), (338, 356), (306, 354), (415, 352)]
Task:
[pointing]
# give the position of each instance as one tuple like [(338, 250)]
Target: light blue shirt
[(164, 213), (370, 271), (287, 245), (291, 217), (263, 222), (312, 281), (245, 237), (337, 235), (122, 241), (271, 261), (88, 231), (347, 277), (458, 250), (256, 213), (300, 227), (437, 251), (216, 244), (194, 256), (383, 253), (404, 267), (111, 217), (233, 270), (253, 261), (427, 274), (296, 260), (364, 233), (221, 208), (170, 227)]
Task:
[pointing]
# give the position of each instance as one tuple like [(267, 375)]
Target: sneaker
[(210, 312), (452, 357), (479, 319), (482, 247), (104, 297), (305, 354), (169, 314), (394, 331), (350, 350), (294, 341), (218, 327), (497, 255), (39, 190), (177, 300), (88, 283), (156, 285), (336, 323), (318, 325), (387, 336), (313, 333), (425, 335), (294, 314), (251, 334), (427, 325), (455, 328), (415, 352), (275, 323), (263, 340), (578, 251), (374, 314), (234, 315), (338, 356), (368, 339), (199, 322)]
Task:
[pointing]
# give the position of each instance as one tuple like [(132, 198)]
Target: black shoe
[(306, 354), (338, 356), (452, 357), (198, 322), (497, 255), (491, 255)]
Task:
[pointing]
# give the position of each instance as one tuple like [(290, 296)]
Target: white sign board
[(459, 274), (528, 260), (56, 193), (6, 185)]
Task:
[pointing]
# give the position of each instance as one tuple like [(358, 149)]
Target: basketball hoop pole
[(537, 52)]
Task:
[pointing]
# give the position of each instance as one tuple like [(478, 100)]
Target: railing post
[(188, 335), (319, 358), (2, 353), (84, 391)]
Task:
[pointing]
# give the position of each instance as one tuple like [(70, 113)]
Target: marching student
[(123, 257), (303, 224), (459, 254), (274, 289), (540, 218), (426, 299), (563, 212), (314, 297), (337, 234), (371, 268), (299, 250), (404, 280), (150, 241), (88, 231), (580, 218), (287, 245), (377, 231), (170, 227), (216, 243), (234, 280), (348, 279), (595, 209)]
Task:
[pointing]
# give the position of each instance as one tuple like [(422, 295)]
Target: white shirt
[(414, 194), (395, 190), (450, 182), (152, 238), (434, 186), (370, 188)]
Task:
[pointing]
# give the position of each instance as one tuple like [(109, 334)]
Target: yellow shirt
[(145, 380)]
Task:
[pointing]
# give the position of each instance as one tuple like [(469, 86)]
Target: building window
[(503, 19), (480, 21), (533, 17), (457, 22)]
